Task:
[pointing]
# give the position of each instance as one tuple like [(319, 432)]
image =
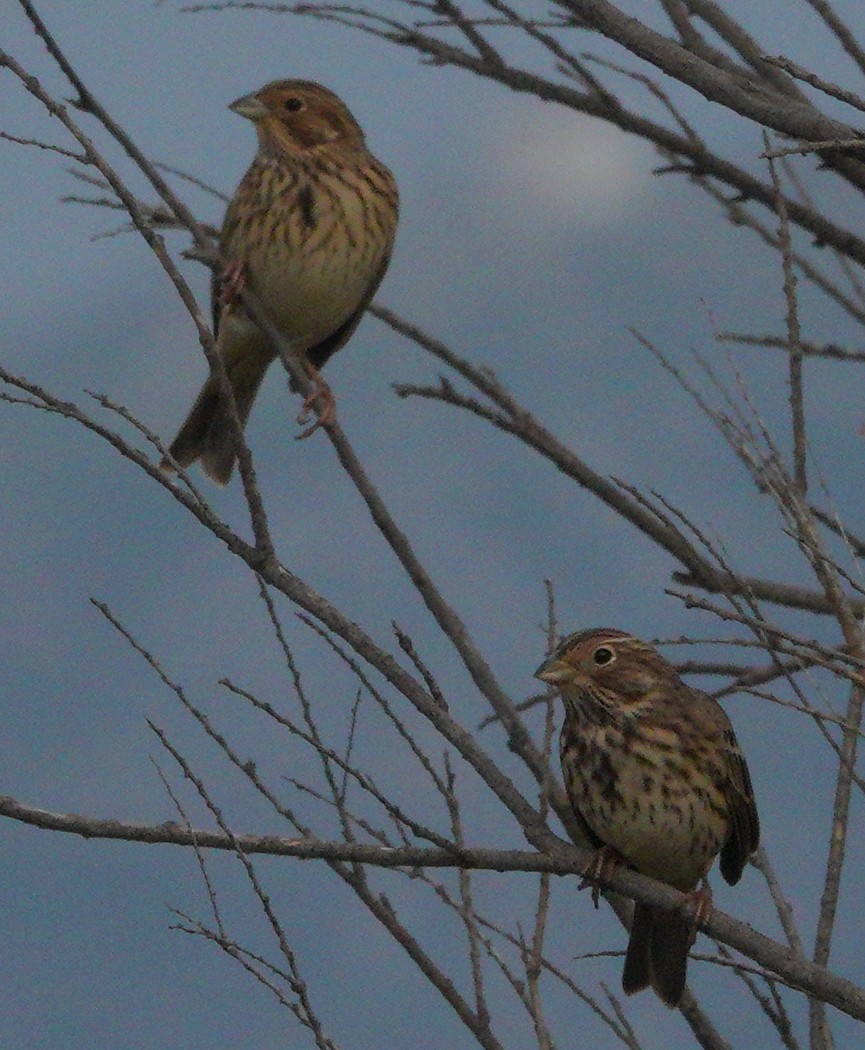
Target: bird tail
[(207, 433), (657, 954)]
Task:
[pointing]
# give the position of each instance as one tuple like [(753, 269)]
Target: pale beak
[(249, 106), (554, 671)]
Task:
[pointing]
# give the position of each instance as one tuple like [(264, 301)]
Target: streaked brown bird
[(309, 232), (657, 781)]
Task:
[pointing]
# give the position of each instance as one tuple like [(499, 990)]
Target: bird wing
[(744, 834)]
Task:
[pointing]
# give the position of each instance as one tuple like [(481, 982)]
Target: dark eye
[(602, 655), (293, 104)]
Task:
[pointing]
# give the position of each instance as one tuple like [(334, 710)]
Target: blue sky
[(531, 238)]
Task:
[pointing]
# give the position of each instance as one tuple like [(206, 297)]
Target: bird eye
[(602, 655), (293, 104)]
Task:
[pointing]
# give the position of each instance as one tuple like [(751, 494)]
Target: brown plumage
[(310, 232), (655, 776)]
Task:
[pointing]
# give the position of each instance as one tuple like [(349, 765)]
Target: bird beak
[(249, 106), (553, 671)]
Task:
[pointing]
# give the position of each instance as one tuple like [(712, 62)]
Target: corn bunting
[(657, 782), (309, 232)]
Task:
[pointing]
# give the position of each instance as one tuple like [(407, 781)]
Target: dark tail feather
[(657, 954), (207, 433), (636, 975)]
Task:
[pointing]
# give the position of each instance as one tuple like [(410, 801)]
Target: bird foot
[(326, 409), (232, 281), (599, 869), (698, 905)]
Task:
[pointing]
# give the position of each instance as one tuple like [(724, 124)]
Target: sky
[(531, 240)]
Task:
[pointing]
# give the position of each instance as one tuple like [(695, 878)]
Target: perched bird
[(309, 232), (657, 782)]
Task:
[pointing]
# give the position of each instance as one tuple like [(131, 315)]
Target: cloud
[(571, 168)]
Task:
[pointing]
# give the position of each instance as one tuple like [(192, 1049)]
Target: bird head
[(607, 659), (298, 115)]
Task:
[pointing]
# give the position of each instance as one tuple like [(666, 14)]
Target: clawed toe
[(599, 869), (322, 394), (699, 908), (232, 281)]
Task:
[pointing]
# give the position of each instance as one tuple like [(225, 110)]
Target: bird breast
[(642, 794), (325, 240)]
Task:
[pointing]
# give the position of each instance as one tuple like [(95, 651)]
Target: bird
[(309, 232), (657, 781)]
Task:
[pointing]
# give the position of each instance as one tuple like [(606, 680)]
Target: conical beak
[(554, 670), (249, 106)]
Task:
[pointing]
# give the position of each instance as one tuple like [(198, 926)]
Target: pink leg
[(599, 869), (700, 906), (320, 393), (232, 280)]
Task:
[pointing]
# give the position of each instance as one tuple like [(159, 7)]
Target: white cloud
[(571, 167)]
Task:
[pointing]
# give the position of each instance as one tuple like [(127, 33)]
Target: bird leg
[(599, 869), (699, 907), (232, 281), (321, 393)]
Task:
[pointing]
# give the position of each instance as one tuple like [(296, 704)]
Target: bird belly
[(310, 302), (665, 817)]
